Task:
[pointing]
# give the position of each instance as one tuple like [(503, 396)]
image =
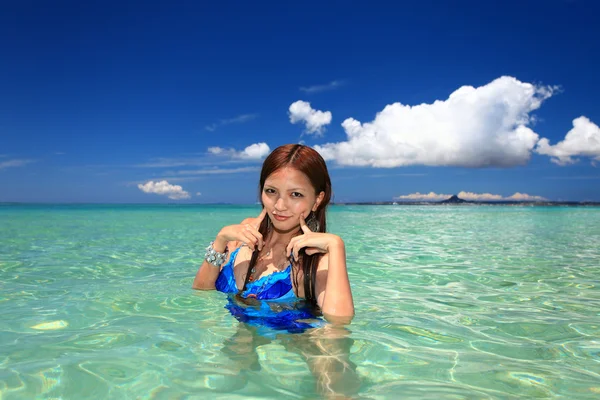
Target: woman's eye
[(269, 191), (296, 194)]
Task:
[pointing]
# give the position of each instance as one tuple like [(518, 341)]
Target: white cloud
[(422, 196), (174, 192), (479, 196), (235, 120), (524, 197), (14, 163), (321, 88), (198, 194), (475, 127), (173, 179), (220, 151), (315, 120), (256, 151), (583, 140), (431, 196)]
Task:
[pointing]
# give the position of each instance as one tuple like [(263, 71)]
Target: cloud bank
[(431, 196), (173, 192), (583, 140), (314, 120), (255, 151), (487, 126)]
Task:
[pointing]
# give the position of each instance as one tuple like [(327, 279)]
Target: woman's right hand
[(246, 232)]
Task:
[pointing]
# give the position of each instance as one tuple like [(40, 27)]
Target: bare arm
[(334, 295), (332, 286), (229, 237), (207, 273)]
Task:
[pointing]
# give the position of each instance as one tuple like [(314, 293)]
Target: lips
[(281, 217)]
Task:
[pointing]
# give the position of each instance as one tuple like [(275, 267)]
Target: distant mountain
[(454, 200)]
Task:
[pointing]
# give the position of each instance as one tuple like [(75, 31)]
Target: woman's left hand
[(311, 242)]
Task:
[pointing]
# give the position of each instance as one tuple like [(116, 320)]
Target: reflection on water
[(325, 350)]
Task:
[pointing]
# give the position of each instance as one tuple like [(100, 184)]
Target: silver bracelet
[(214, 257)]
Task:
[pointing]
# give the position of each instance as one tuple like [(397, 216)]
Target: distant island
[(455, 200)]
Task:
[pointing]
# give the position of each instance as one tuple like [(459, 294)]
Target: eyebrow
[(290, 190)]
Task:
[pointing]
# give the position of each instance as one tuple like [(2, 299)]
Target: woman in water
[(281, 270), (284, 254)]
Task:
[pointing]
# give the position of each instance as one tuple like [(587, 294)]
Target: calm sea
[(452, 302)]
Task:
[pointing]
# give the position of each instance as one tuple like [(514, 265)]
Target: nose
[(280, 204)]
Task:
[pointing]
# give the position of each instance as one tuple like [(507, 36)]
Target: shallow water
[(457, 302)]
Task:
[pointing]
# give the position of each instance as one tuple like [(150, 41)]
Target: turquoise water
[(464, 302)]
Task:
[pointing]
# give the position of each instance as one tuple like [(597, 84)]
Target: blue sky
[(180, 101)]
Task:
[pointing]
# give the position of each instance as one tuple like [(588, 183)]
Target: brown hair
[(310, 163)]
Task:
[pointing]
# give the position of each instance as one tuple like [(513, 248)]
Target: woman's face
[(286, 195)]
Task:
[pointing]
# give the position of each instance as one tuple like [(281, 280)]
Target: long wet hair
[(310, 163)]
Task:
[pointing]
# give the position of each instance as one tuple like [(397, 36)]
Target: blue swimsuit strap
[(226, 280)]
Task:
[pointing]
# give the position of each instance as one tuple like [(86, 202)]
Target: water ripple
[(452, 302)]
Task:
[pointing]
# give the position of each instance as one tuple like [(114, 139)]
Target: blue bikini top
[(275, 286), (283, 310)]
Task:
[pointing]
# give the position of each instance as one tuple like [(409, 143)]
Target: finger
[(298, 245), (260, 218), (248, 239), (303, 226), (297, 251), (252, 231), (290, 247)]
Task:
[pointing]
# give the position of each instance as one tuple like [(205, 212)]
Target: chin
[(285, 225)]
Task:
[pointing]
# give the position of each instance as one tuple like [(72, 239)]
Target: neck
[(277, 237)]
